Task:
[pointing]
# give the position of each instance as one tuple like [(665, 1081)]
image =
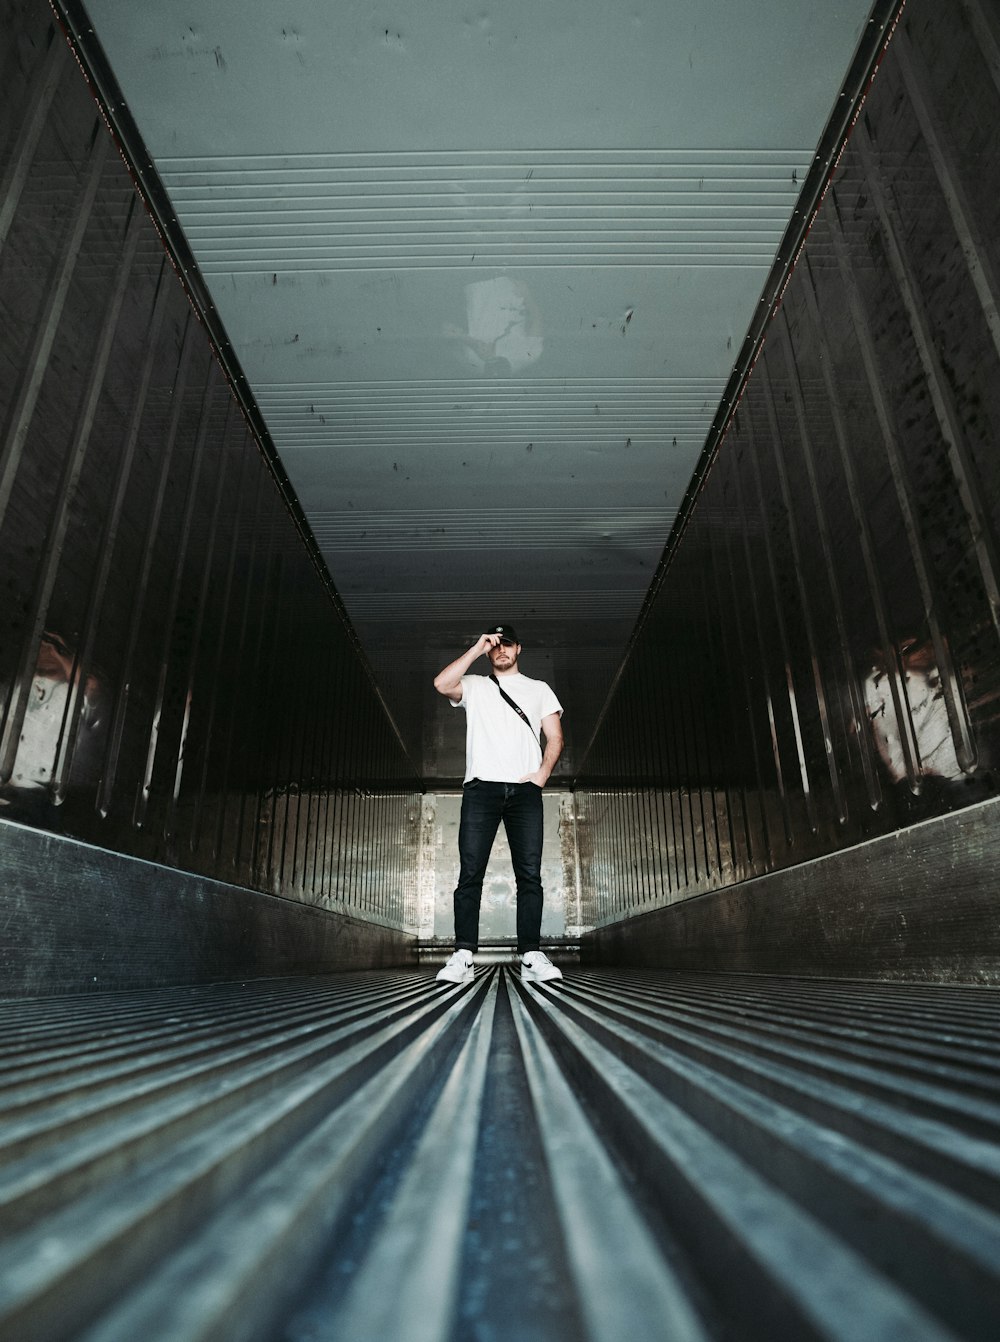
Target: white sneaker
[(536, 967), (458, 969)]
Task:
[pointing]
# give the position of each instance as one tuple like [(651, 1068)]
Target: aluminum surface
[(640, 1153), (176, 681), (818, 661)]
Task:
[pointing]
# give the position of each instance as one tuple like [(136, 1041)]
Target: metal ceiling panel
[(486, 270)]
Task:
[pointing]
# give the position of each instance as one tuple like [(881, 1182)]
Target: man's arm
[(449, 681), (552, 731)]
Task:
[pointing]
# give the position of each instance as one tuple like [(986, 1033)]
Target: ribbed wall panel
[(621, 1155), (178, 681), (818, 660)]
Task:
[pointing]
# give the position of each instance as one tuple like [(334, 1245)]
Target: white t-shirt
[(499, 748)]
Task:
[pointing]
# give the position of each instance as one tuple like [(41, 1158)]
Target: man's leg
[(482, 805), (522, 820)]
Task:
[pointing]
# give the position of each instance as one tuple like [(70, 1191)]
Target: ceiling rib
[(557, 207)]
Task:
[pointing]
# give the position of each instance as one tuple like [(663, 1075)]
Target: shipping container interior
[(669, 333)]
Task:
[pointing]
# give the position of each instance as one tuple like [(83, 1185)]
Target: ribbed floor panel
[(625, 1155)]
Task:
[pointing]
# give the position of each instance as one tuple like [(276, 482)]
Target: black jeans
[(484, 805)]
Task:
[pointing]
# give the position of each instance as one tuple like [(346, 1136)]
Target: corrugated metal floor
[(626, 1155)]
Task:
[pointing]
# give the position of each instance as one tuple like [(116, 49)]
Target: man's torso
[(500, 747)]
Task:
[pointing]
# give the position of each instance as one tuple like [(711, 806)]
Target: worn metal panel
[(918, 904), (136, 924), (825, 643), (176, 681)]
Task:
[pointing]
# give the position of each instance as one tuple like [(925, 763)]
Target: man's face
[(504, 656)]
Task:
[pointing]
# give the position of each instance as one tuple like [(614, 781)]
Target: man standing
[(505, 772)]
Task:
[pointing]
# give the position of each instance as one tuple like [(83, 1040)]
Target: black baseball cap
[(506, 632)]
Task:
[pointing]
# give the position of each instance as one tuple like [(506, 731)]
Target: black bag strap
[(516, 707)]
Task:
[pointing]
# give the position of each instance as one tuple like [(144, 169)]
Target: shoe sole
[(530, 976), (468, 978)]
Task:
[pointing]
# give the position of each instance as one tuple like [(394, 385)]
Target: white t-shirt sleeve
[(467, 683), (549, 702)]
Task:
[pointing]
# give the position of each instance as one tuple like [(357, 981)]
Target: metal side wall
[(819, 664), (178, 681)]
